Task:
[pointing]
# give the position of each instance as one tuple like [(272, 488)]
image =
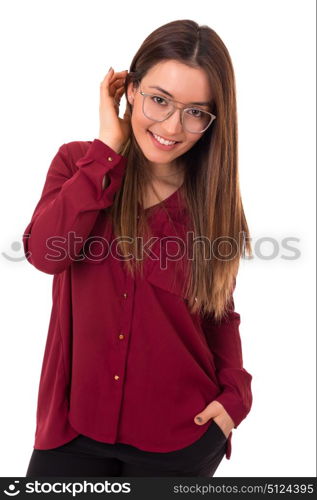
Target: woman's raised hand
[(113, 130)]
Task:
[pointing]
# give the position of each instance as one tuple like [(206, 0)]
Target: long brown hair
[(211, 183)]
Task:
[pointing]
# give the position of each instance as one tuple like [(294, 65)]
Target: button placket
[(127, 307), (122, 335), (122, 343)]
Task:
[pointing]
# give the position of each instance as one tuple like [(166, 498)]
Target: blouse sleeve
[(225, 343), (69, 204)]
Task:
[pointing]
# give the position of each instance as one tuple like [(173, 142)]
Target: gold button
[(109, 158), (125, 295), (116, 377), (121, 336)]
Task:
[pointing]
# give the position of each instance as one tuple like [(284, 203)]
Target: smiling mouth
[(176, 142)]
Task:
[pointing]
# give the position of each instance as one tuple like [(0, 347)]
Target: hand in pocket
[(220, 416)]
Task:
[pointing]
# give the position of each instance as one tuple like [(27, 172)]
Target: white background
[(53, 56)]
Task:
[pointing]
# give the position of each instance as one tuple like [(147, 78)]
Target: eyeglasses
[(158, 108)]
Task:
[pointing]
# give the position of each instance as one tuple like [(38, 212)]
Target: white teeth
[(163, 141)]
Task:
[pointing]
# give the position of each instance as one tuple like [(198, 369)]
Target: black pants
[(84, 456)]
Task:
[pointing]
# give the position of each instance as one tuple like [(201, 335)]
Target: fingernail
[(199, 419), (109, 69)]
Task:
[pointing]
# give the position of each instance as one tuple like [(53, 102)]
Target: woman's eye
[(195, 112), (160, 99)]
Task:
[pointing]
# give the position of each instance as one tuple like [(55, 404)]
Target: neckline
[(165, 200)]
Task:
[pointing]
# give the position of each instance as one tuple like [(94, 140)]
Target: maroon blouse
[(125, 361)]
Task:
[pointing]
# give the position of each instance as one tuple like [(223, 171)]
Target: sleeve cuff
[(99, 160), (99, 151), (237, 407)]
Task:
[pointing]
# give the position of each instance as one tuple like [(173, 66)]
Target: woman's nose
[(172, 125)]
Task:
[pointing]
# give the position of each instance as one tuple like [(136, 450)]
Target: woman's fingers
[(112, 89), (114, 85), (112, 128), (117, 75), (118, 85), (118, 95), (114, 79)]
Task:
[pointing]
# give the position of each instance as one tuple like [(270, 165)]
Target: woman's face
[(186, 85)]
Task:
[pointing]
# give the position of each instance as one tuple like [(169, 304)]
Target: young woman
[(143, 229)]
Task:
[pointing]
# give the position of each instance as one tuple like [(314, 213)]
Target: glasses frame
[(172, 101)]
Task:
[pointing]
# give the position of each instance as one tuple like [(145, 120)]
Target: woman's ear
[(130, 93)]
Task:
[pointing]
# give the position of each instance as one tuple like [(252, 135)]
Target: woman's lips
[(164, 147)]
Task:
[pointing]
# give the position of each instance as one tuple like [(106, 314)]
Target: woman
[(142, 372)]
